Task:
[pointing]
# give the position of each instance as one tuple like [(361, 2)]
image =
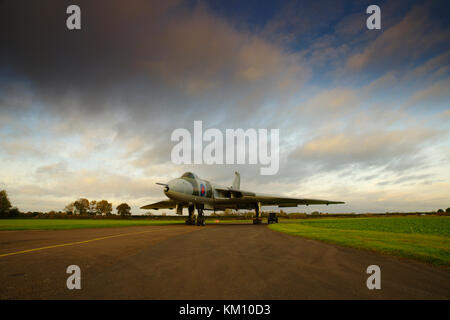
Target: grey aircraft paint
[(191, 192)]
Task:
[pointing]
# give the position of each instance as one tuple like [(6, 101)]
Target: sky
[(363, 114)]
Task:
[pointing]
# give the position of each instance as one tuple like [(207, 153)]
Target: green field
[(65, 224), (418, 237)]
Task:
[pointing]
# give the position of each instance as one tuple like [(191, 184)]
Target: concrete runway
[(212, 262)]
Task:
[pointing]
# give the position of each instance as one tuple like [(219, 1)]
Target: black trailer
[(272, 218)]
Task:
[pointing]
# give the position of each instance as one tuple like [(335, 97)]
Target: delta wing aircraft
[(189, 191)]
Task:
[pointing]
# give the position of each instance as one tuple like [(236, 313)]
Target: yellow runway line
[(77, 242)]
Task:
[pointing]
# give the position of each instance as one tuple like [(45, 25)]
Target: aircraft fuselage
[(193, 190)]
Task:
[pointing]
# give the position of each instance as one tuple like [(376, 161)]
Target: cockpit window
[(188, 175)]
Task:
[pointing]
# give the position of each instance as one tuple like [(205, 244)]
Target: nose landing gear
[(201, 221), (191, 220)]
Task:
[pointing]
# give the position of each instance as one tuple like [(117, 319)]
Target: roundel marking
[(202, 190)]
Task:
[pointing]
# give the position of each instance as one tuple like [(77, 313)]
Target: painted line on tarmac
[(79, 242)]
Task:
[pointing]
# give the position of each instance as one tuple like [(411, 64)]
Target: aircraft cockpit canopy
[(189, 175)]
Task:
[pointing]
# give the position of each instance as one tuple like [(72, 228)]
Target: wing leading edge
[(165, 204), (249, 197), (283, 202), (269, 200)]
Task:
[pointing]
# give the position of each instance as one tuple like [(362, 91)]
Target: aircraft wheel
[(201, 221), (256, 221)]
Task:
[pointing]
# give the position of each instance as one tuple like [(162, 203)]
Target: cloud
[(351, 25), (434, 94), (53, 168), (331, 102), (371, 148), (304, 19), (436, 63), (163, 56), (383, 83), (402, 43), (22, 148), (406, 178)]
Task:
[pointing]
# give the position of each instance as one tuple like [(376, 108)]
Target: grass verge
[(422, 238), (65, 224)]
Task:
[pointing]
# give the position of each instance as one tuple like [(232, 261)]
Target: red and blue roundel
[(202, 190)]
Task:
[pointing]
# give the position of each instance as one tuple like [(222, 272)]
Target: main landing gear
[(191, 220), (257, 219), (201, 217)]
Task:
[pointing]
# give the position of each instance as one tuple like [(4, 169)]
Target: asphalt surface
[(212, 262)]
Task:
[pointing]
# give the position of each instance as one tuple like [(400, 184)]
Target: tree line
[(83, 206), (79, 207)]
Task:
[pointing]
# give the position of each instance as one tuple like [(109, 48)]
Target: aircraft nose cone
[(179, 186), (175, 185)]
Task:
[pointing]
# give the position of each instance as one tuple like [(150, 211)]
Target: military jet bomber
[(189, 191)]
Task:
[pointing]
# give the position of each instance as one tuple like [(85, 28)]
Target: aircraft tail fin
[(237, 181)]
